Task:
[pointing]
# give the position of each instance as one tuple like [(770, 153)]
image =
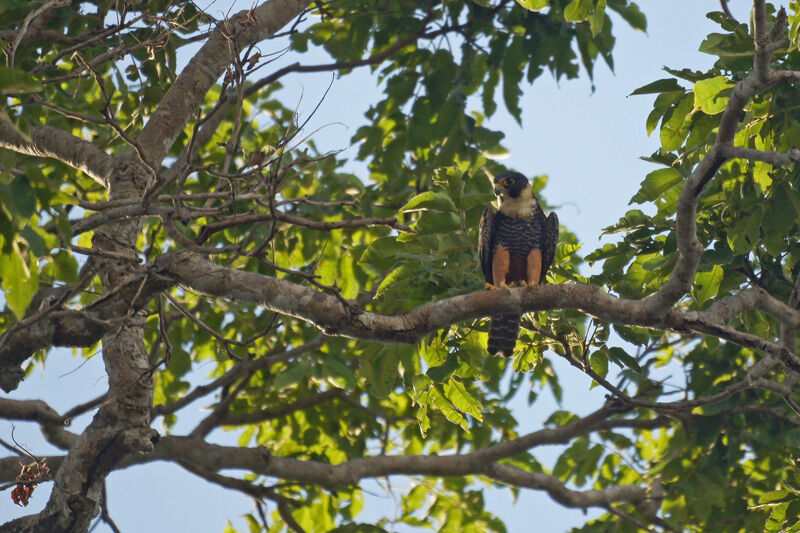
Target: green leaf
[(36, 242), (385, 248), (437, 222), (528, 359), (675, 130), (621, 357), (578, 10), (632, 15), (290, 378), (561, 418), (706, 95), (441, 403), (658, 86), (744, 235), (381, 371), (415, 498), (440, 373), (599, 363), (706, 284), (23, 201), (457, 393), (20, 280), (514, 59), (180, 362), (533, 5), (337, 369), (423, 420), (598, 18), (14, 80), (660, 106), (774, 496), (437, 201), (656, 183)]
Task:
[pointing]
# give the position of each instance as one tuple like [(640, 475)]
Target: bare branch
[(777, 159), (24, 28), (247, 219), (52, 142), (235, 373), (724, 5), (560, 493), (205, 68)]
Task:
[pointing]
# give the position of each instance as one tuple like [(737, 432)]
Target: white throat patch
[(522, 206)]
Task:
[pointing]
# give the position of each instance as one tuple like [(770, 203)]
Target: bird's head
[(510, 185)]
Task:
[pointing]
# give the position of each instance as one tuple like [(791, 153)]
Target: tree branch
[(777, 159), (689, 248), (560, 493), (333, 317), (204, 69), (52, 142)]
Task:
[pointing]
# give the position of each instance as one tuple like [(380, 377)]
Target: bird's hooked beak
[(501, 186)]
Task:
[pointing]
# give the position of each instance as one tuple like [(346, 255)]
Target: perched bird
[(516, 245)]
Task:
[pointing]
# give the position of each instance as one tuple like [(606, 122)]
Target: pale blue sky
[(589, 145)]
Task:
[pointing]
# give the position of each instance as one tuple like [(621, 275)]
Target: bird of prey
[(516, 246)]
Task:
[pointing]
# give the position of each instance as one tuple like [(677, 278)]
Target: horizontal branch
[(791, 156), (258, 460), (336, 317), (50, 422), (560, 493), (327, 225), (52, 142), (67, 327), (30, 410)]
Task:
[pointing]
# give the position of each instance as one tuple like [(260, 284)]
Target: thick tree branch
[(122, 424), (204, 69), (211, 122), (258, 460), (52, 142), (332, 316), (792, 156), (689, 248), (560, 493), (66, 327)]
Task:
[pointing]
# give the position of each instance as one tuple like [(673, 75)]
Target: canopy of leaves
[(243, 185)]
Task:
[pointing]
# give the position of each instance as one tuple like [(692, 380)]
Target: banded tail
[(503, 333)]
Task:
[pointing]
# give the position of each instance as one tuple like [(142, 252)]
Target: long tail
[(503, 333)]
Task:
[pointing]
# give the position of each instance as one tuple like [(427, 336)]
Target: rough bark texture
[(122, 424), (120, 434)]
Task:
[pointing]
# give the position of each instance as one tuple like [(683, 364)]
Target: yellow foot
[(491, 287)]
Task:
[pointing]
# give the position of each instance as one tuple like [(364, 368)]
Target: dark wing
[(485, 242), (549, 241)]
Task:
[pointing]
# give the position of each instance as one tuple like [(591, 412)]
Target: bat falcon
[(516, 246)]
